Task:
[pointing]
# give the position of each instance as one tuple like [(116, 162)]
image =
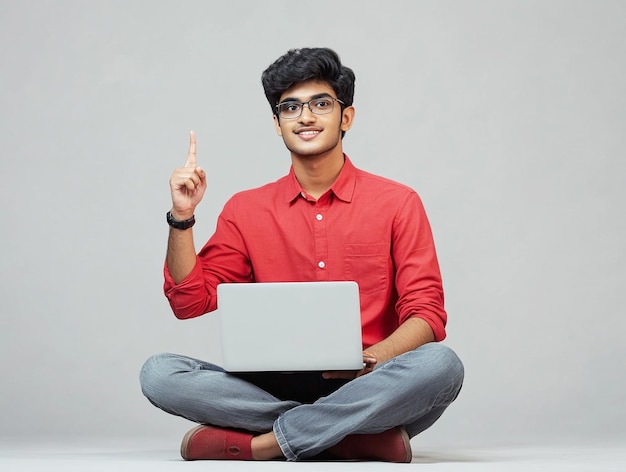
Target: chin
[(312, 151)]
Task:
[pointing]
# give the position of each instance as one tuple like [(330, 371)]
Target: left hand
[(369, 362)]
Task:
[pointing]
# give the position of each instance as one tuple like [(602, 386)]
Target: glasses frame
[(308, 104)]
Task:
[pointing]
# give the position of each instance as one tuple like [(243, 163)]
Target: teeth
[(308, 132)]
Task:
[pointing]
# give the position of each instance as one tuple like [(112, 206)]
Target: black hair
[(300, 65)]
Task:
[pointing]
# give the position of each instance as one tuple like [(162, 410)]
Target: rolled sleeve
[(418, 276), (190, 297)]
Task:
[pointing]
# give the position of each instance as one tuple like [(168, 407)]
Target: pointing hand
[(187, 184)]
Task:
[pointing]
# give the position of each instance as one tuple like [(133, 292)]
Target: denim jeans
[(307, 413)]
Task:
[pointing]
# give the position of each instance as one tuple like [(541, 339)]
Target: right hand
[(187, 184), (369, 364)]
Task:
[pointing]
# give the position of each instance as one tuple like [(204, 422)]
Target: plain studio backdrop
[(507, 117)]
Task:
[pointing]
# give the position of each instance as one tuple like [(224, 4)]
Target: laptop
[(290, 326)]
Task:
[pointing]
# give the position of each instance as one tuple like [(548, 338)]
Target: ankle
[(265, 447)]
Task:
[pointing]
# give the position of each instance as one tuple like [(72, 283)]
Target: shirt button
[(319, 217), (321, 264)]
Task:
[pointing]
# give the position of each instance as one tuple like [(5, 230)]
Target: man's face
[(311, 134)]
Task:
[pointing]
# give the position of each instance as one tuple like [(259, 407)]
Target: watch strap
[(180, 224)]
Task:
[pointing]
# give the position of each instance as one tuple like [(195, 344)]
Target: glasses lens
[(289, 109), (321, 106)]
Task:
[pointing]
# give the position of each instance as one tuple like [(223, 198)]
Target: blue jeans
[(307, 413)]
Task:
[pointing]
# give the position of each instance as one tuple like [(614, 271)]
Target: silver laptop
[(290, 326)]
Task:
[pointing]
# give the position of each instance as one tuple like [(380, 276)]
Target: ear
[(347, 118), (279, 131)]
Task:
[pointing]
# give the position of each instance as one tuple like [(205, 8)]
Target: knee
[(154, 373), (441, 362), (448, 361), (451, 371)]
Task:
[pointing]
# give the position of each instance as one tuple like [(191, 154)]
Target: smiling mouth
[(307, 133)]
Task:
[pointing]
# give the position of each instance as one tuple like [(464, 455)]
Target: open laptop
[(290, 326)]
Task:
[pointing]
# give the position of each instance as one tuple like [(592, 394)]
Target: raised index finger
[(191, 155)]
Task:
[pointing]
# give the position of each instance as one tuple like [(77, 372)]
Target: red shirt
[(365, 228)]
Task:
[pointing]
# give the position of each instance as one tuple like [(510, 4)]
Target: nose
[(307, 116)]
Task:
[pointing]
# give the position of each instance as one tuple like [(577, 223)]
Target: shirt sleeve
[(418, 277), (188, 298), (223, 258)]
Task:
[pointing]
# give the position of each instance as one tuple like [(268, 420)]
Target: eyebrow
[(312, 97)]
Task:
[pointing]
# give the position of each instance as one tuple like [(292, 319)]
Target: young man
[(325, 220)]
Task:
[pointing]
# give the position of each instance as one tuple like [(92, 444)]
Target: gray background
[(508, 117)]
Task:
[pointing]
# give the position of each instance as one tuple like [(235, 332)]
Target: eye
[(322, 103), (289, 107)]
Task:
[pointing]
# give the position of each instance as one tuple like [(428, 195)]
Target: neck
[(316, 174)]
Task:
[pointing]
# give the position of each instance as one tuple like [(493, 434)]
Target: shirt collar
[(343, 187)]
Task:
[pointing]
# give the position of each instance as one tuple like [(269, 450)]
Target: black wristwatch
[(180, 224)]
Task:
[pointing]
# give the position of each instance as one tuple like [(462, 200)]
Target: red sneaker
[(210, 442), (392, 445)]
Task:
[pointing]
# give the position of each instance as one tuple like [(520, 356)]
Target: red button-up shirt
[(365, 228)]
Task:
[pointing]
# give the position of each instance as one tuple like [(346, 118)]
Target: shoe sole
[(407, 445)]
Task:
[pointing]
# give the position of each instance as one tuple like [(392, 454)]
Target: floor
[(143, 455)]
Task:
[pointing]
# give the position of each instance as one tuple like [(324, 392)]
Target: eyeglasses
[(292, 109)]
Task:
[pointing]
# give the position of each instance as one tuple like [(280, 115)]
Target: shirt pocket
[(368, 265)]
